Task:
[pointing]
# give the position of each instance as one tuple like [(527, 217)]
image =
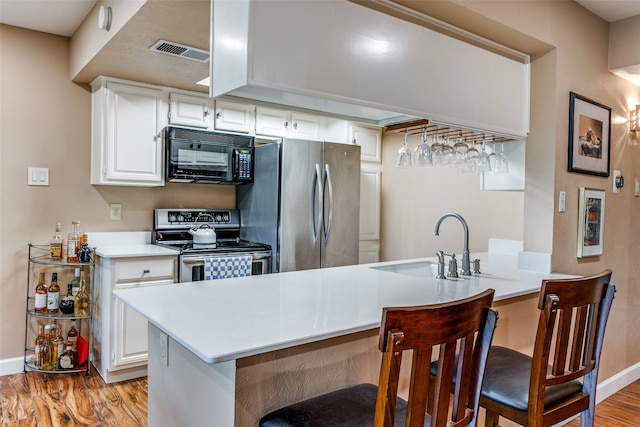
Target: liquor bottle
[(67, 359), (46, 349), (81, 303), (55, 244), (58, 343), (75, 283), (41, 295), (53, 295), (67, 303), (73, 242), (37, 359), (72, 336)]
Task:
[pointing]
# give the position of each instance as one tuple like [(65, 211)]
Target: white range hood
[(345, 59)]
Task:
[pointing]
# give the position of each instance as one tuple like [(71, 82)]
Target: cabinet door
[(233, 117), (304, 126), (133, 150), (369, 139), (130, 341), (272, 122), (369, 252), (190, 110), (370, 182)]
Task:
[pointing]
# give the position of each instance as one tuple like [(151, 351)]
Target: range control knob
[(218, 218)]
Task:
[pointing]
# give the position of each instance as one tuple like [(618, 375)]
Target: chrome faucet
[(466, 263)]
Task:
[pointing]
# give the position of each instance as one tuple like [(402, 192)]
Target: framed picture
[(590, 222), (589, 136)]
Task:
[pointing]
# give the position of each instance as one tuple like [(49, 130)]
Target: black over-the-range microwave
[(201, 156)]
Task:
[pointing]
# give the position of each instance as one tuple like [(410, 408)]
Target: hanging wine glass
[(436, 150), (502, 161), (423, 152), (484, 163), (405, 158)]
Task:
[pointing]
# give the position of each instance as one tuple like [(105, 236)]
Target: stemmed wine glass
[(405, 156), (484, 163), (423, 152), (502, 161)]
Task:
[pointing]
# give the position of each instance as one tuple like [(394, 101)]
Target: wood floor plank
[(16, 398), (51, 411), (38, 385), (135, 397), (115, 413), (77, 400), (98, 390)]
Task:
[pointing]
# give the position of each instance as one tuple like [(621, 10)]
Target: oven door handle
[(200, 260)]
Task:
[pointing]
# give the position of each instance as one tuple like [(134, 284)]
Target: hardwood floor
[(73, 400)]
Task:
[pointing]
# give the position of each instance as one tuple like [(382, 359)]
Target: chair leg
[(491, 419), (586, 418)]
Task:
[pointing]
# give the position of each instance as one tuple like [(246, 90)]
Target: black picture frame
[(589, 136)]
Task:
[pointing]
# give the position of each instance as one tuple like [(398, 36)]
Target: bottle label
[(41, 301), (53, 300), (66, 362), (56, 250), (37, 361)]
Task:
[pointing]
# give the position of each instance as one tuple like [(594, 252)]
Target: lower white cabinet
[(120, 350), (370, 193)]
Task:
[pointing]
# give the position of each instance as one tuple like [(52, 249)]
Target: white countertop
[(126, 244), (233, 318)]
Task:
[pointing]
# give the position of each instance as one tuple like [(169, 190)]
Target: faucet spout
[(466, 262)]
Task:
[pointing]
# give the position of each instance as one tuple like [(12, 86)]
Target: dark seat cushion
[(349, 407), (506, 380)]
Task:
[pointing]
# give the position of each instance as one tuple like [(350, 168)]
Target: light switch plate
[(38, 176), (637, 189), (616, 174), (164, 348), (562, 198)]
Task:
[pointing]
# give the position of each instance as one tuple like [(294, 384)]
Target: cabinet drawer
[(144, 270)]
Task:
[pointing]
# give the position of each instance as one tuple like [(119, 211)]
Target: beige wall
[(45, 122)]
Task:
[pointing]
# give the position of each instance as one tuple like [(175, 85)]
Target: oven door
[(192, 266)]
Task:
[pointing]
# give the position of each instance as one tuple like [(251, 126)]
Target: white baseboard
[(617, 382), (11, 366)]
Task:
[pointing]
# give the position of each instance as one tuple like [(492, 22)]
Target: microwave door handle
[(316, 199), (327, 187)]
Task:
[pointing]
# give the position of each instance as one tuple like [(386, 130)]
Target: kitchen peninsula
[(231, 350)]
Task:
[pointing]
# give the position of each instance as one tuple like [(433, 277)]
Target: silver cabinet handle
[(218, 115), (286, 125), (146, 271)]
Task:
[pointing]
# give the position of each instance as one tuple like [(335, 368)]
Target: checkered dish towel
[(226, 267)]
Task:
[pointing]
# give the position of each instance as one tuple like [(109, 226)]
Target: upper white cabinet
[(126, 133), (369, 138), (191, 110), (234, 117), (273, 122)]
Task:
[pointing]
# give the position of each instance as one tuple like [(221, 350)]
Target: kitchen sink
[(415, 269)]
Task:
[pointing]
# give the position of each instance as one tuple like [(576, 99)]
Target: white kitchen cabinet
[(234, 117), (191, 110), (370, 185), (121, 350), (274, 122), (369, 138), (369, 252), (126, 141)]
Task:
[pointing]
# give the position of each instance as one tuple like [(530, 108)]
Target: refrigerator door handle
[(316, 196), (327, 186)]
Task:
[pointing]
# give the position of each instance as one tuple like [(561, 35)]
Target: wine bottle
[(58, 343), (41, 295), (72, 335), (37, 360), (73, 242), (46, 349), (53, 295), (67, 359), (67, 303), (81, 302), (55, 244), (75, 283)]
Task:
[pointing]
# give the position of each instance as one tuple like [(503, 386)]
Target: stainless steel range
[(177, 228)]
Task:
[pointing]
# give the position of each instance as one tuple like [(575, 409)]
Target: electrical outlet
[(116, 211), (164, 349), (562, 201)]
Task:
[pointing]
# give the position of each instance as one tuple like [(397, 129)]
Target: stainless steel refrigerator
[(304, 202)]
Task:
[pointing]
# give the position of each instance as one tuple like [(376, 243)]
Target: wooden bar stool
[(464, 328), (545, 389)]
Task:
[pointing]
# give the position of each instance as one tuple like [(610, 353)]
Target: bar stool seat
[(460, 332)]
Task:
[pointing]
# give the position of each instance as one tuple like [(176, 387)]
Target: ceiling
[(62, 17)]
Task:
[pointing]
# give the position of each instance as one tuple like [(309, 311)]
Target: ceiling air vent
[(177, 49)]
